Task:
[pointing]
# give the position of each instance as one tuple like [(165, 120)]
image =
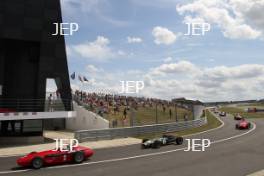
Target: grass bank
[(213, 122)]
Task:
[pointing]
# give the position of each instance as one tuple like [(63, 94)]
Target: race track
[(233, 152)]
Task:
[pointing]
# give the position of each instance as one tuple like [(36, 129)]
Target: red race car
[(55, 157), (238, 117), (243, 124)]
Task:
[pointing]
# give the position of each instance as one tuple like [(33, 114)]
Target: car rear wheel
[(78, 157), (37, 163), (179, 140)]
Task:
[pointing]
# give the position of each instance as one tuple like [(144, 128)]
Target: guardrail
[(92, 135)]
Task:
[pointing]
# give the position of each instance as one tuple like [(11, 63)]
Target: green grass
[(252, 105), (147, 115), (212, 123), (241, 111)]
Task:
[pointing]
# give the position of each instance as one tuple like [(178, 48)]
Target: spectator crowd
[(105, 104)]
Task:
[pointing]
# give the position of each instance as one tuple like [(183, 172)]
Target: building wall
[(86, 120)]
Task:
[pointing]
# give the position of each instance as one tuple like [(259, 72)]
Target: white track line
[(134, 157), (222, 124), (16, 171)]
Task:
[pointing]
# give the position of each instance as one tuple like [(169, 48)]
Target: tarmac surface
[(232, 152)]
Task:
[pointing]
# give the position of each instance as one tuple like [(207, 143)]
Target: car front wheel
[(37, 163), (179, 140), (78, 157), (156, 145)]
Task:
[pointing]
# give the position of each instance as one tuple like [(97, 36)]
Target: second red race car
[(243, 124), (55, 157)]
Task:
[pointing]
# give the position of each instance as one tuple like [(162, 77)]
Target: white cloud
[(98, 49), (72, 6), (134, 40), (238, 72), (163, 36), (207, 84), (90, 9), (121, 53), (168, 59), (181, 67), (75, 87), (237, 19), (92, 69)]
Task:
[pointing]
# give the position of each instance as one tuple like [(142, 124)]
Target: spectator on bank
[(185, 117), (125, 113), (170, 112), (58, 95), (163, 108), (101, 109), (50, 103), (114, 123)]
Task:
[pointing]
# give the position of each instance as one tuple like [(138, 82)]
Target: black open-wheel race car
[(158, 142)]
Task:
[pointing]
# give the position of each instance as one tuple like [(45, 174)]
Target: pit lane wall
[(85, 120), (92, 135)]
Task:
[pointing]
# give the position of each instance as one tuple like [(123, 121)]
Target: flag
[(73, 76), (80, 78), (85, 79)]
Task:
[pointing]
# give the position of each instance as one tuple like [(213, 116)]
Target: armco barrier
[(92, 135)]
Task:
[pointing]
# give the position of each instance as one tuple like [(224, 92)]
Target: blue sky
[(158, 51)]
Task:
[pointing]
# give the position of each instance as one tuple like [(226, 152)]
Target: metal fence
[(34, 105), (92, 135)]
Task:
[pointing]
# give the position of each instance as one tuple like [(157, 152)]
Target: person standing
[(185, 117), (170, 112), (125, 113), (124, 116), (50, 103)]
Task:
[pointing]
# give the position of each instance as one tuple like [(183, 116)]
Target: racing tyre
[(156, 145), (237, 127), (143, 146), (37, 163), (78, 157), (249, 125), (179, 141)]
